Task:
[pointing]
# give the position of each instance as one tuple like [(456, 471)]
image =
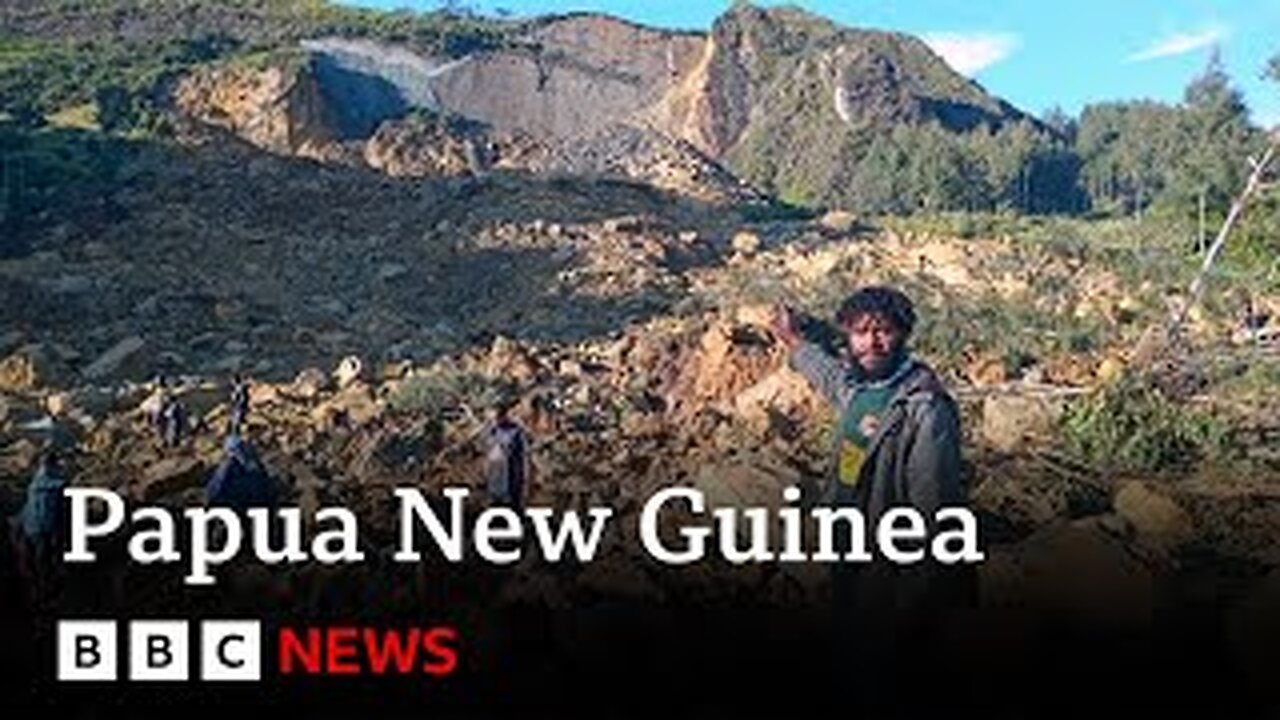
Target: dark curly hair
[(879, 300)]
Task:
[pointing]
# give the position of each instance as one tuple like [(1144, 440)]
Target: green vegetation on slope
[(120, 54)]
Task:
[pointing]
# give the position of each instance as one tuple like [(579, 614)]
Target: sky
[(1033, 53)]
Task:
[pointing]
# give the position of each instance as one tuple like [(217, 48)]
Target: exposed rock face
[(280, 108), (767, 93), (588, 72)]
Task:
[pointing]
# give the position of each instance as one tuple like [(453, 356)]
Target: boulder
[(353, 405), (124, 359), (91, 401), (758, 315), (780, 392), (1010, 421), (308, 384), (169, 476), (988, 370), (28, 368), (511, 361), (730, 358), (1109, 370), (746, 242), (756, 481), (841, 221), (1157, 518), (349, 370)]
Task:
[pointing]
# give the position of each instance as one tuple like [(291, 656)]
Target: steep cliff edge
[(785, 100)]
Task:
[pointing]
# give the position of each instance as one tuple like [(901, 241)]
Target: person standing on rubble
[(896, 443), (40, 525), (239, 404), (507, 465)]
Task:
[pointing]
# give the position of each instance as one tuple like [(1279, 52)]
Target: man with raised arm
[(896, 445)]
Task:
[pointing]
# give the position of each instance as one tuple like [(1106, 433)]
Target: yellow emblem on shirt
[(851, 459)]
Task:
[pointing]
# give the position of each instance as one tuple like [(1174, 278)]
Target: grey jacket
[(913, 460), (914, 457)]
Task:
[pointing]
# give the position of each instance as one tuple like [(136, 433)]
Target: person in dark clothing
[(174, 422), (506, 458), (897, 443), (39, 527), (240, 481), (239, 405)]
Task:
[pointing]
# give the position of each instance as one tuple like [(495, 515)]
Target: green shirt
[(860, 421)]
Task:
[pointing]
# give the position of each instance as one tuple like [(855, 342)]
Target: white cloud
[(1180, 44), (970, 53)]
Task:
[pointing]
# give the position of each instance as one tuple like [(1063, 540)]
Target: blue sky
[(1035, 54)]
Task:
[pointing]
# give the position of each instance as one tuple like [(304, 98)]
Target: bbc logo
[(230, 650)]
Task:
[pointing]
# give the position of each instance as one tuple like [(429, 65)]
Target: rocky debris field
[(378, 318)]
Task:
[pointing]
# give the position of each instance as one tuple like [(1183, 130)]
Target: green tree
[(1216, 139), (876, 184)]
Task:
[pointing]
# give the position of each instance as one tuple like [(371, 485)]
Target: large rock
[(729, 359), (169, 476), (89, 401), (29, 367), (353, 405), (510, 360), (756, 482), (1009, 422), (1158, 520), (308, 384), (124, 359), (349, 370), (782, 392), (746, 242)]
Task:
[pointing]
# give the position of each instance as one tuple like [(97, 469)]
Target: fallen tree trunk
[(1157, 341), (1237, 208)]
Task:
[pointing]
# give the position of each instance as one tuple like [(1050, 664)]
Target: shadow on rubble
[(213, 244)]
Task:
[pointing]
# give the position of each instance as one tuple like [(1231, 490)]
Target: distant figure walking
[(168, 416), (506, 458), (239, 404), (173, 422)]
